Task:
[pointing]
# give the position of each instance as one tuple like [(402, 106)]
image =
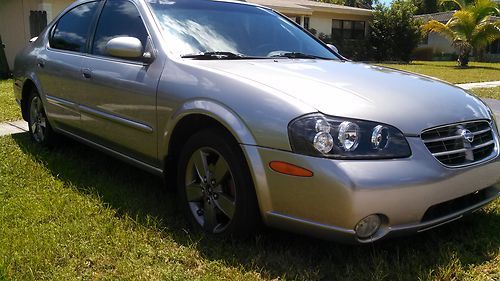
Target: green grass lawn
[(9, 111), (72, 212), (447, 70), (492, 93)]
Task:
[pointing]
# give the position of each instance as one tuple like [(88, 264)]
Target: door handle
[(87, 73), (40, 63)]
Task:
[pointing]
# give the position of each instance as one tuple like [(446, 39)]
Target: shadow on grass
[(275, 254)]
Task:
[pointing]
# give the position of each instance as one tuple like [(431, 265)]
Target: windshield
[(211, 27)]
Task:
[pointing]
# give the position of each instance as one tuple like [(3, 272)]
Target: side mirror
[(125, 47), (333, 48)]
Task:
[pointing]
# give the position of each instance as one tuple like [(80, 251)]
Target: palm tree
[(470, 28)]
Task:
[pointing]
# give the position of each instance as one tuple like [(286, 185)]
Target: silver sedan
[(254, 120)]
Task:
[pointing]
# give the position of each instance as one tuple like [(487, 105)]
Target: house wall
[(439, 43), (15, 22), (322, 22)]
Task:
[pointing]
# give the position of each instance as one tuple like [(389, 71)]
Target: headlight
[(342, 138)]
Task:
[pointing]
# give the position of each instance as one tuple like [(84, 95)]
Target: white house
[(329, 19), (441, 45)]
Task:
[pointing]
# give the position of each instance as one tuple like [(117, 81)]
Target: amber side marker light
[(290, 169)]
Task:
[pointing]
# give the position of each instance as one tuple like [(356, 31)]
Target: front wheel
[(215, 186)]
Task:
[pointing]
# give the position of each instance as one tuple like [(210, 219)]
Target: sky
[(386, 2)]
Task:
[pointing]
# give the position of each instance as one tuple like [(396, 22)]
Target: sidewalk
[(468, 86), (14, 127)]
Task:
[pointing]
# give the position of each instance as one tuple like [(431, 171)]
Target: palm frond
[(463, 23), (484, 8), (485, 33), (438, 27), (460, 3)]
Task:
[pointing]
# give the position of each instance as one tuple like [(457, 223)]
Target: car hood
[(408, 101)]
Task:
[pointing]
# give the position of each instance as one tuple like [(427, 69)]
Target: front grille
[(459, 204), (461, 144)]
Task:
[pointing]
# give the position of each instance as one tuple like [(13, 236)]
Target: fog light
[(367, 226)]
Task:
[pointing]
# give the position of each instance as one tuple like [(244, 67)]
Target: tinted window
[(118, 18), (72, 30), (346, 29)]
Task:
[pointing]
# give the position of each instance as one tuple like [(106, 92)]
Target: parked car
[(259, 121)]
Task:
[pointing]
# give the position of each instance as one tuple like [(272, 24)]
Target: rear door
[(119, 105), (59, 65)]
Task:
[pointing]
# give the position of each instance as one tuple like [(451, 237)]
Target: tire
[(216, 190), (39, 127)]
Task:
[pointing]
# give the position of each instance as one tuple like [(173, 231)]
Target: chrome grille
[(462, 143)]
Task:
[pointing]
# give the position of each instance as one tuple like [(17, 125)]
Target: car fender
[(213, 109), (237, 127)]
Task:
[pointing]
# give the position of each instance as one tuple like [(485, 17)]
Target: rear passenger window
[(72, 30), (118, 18)]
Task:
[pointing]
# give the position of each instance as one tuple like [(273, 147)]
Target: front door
[(118, 109)]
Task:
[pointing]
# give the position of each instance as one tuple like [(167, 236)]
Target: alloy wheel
[(38, 122), (210, 190)]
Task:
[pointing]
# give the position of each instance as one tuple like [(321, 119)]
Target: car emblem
[(467, 135)]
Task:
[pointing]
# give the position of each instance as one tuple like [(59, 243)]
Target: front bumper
[(342, 192)]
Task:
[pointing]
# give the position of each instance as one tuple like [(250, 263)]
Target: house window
[(358, 31), (347, 29), (494, 48), (337, 29), (306, 23), (298, 21)]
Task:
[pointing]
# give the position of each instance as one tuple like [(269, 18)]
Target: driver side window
[(118, 18)]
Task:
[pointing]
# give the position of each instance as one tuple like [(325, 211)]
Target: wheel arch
[(30, 83), (27, 88), (194, 116)]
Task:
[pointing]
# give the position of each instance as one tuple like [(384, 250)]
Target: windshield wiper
[(215, 56), (297, 55)]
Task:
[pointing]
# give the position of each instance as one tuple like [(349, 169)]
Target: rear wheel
[(39, 127), (215, 186)]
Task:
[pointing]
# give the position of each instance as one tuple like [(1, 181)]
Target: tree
[(470, 28), (395, 33), (425, 6)]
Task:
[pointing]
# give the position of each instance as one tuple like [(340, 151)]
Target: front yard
[(74, 213), (446, 70), (9, 111)]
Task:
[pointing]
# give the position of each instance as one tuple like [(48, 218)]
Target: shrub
[(395, 33), (422, 53), (353, 49)]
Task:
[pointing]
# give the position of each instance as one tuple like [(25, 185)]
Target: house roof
[(306, 7), (441, 16), (444, 16), (284, 6)]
